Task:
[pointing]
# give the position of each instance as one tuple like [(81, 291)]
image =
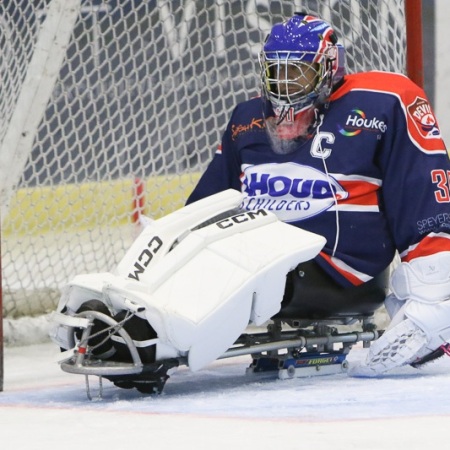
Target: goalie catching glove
[(419, 307)]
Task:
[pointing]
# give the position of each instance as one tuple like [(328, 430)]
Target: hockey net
[(111, 109)]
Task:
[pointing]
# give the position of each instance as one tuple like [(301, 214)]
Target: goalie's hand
[(398, 346), (420, 311), (424, 330)]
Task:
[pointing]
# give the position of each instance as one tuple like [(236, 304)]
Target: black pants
[(312, 294)]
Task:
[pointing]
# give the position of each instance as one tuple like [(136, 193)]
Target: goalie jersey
[(374, 177)]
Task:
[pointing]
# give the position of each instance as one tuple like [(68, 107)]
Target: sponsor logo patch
[(255, 124), (357, 122), (291, 191)]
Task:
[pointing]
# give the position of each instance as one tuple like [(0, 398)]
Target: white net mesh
[(135, 114)]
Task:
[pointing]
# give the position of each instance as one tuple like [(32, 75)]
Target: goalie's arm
[(223, 172)]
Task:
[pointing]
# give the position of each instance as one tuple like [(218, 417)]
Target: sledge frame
[(275, 351)]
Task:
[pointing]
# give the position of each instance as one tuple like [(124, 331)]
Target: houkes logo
[(357, 122), (423, 117), (255, 123)]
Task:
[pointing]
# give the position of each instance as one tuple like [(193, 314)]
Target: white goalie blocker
[(198, 286)]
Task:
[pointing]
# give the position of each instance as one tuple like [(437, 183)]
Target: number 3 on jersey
[(442, 179)]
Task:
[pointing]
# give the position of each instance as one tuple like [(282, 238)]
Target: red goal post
[(414, 41), (98, 94)]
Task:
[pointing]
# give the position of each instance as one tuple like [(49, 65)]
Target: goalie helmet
[(300, 63)]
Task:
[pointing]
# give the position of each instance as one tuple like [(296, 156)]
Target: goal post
[(414, 41), (34, 93), (2, 370), (112, 109)]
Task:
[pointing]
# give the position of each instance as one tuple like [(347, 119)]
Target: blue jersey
[(373, 178)]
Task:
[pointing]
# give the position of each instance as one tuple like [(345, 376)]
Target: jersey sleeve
[(223, 172), (416, 181)]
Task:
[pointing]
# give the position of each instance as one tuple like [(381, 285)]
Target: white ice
[(220, 407)]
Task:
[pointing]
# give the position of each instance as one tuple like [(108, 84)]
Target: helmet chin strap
[(284, 112), (302, 122)]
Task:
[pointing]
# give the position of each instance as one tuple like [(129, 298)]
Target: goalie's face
[(292, 87), (289, 83), (295, 79)]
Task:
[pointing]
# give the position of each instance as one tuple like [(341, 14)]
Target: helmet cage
[(296, 79)]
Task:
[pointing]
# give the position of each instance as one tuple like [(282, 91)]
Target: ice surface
[(222, 408)]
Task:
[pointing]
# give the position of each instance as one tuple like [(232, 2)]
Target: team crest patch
[(421, 114)]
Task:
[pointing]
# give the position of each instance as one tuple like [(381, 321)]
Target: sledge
[(207, 282)]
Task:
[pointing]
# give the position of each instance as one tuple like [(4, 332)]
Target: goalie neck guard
[(300, 63)]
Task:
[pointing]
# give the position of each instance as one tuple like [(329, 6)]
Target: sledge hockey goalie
[(317, 183)]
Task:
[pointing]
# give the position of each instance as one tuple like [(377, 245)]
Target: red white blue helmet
[(307, 43)]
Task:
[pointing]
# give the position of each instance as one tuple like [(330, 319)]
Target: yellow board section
[(80, 206)]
